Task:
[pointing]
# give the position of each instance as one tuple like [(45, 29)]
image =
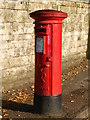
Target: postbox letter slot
[(40, 30)]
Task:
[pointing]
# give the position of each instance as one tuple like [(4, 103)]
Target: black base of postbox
[(47, 104)]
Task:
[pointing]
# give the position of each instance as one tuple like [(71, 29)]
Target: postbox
[(48, 59)]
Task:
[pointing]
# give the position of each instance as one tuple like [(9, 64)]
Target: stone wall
[(17, 37), (75, 33)]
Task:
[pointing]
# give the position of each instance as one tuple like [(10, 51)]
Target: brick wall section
[(17, 37)]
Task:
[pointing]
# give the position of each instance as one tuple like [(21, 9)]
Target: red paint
[(48, 63)]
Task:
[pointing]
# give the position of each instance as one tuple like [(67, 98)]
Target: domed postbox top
[(48, 14)]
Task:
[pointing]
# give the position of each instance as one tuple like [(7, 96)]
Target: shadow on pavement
[(17, 106)]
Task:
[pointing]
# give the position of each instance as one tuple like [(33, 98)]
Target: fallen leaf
[(13, 90), (77, 72), (9, 91), (83, 70), (4, 110), (9, 99), (86, 66), (71, 95), (5, 115), (25, 88), (0, 116), (32, 86), (72, 101), (13, 93)]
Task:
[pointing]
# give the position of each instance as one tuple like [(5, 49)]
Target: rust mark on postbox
[(48, 59)]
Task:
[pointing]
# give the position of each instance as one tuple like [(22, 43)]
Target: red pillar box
[(48, 54)]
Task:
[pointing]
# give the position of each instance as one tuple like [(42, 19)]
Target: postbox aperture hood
[(48, 14)]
